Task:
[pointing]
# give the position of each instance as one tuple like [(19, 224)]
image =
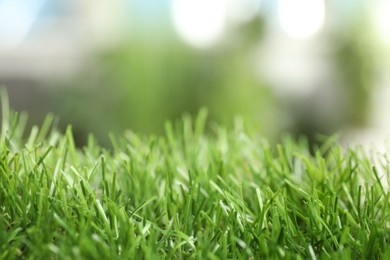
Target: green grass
[(188, 195)]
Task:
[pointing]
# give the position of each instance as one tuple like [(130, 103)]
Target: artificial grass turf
[(188, 195)]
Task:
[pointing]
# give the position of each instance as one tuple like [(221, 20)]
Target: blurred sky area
[(303, 66)]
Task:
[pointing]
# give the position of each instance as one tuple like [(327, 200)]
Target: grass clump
[(188, 195)]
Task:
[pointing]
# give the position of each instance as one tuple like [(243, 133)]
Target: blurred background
[(297, 66)]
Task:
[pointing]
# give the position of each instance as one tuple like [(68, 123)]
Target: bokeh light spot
[(200, 23), (301, 19), (381, 20)]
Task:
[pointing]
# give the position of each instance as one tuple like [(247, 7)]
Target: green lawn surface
[(188, 195)]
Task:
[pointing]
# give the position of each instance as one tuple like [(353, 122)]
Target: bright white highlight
[(301, 18), (200, 23), (16, 19), (381, 20)]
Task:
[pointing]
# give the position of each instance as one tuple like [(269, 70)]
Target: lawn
[(190, 194)]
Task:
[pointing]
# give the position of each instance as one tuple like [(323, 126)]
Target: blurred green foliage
[(153, 78), (355, 62), (141, 84)]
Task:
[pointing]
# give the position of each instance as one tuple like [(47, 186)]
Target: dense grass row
[(187, 195)]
